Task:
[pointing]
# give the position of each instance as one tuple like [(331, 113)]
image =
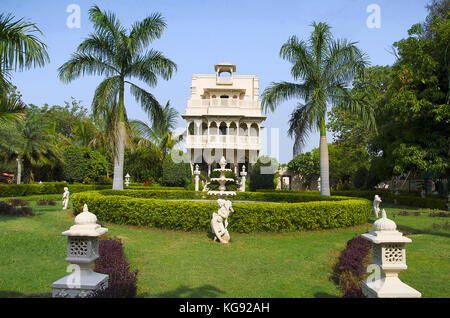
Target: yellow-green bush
[(248, 216)]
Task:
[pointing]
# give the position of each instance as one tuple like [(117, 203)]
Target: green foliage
[(19, 190), (175, 174), (247, 218), (82, 164), (142, 164), (263, 173), (360, 178)]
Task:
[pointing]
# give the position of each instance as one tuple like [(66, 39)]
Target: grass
[(179, 264)]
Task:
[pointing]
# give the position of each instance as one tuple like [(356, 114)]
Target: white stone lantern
[(127, 180), (388, 259), (243, 178), (82, 250), (196, 177)]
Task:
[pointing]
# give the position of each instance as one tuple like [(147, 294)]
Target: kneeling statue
[(217, 222)]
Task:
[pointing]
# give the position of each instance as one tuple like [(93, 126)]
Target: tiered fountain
[(217, 225)]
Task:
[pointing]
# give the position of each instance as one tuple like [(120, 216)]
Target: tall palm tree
[(325, 68), (160, 134), (119, 55), (20, 47)]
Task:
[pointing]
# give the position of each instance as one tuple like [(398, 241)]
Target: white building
[(223, 118)]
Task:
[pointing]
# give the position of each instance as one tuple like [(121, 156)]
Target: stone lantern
[(388, 259), (82, 250), (127, 180), (196, 177), (243, 178)]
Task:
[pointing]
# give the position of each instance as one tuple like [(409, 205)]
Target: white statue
[(422, 193), (218, 220), (376, 205), (65, 198)]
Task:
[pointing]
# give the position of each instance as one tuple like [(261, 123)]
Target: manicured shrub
[(18, 202), (112, 261), (19, 190), (196, 215), (81, 163), (350, 269)]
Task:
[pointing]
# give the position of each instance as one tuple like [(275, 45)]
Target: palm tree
[(20, 47), (325, 66), (30, 141), (119, 55), (11, 106), (159, 135)]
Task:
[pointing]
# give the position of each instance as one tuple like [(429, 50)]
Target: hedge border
[(249, 217)]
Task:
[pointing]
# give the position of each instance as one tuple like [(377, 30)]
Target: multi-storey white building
[(223, 118)]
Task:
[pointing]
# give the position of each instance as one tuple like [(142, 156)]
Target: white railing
[(223, 102), (222, 141)]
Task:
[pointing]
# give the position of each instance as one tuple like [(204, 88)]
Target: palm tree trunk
[(323, 161), (119, 157), (19, 170)]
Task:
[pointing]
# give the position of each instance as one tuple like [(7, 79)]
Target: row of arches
[(224, 128)]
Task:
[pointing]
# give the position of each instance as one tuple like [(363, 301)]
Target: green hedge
[(20, 190), (275, 196), (196, 215)]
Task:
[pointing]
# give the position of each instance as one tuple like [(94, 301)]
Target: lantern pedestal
[(388, 260), (82, 250)]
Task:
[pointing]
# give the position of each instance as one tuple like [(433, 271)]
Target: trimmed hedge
[(275, 196), (20, 190), (249, 217)]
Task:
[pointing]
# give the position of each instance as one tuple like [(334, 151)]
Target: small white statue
[(218, 220), (65, 198), (376, 205)]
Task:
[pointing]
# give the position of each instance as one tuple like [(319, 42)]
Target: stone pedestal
[(388, 260), (243, 178), (82, 250), (196, 178)]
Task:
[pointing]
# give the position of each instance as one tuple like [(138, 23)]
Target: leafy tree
[(82, 164), (142, 164), (175, 174), (307, 165), (325, 67), (263, 173), (119, 55)]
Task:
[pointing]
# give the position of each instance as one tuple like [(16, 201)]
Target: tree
[(119, 54), (159, 136), (31, 141), (20, 48), (325, 67), (11, 106), (263, 173), (175, 174)]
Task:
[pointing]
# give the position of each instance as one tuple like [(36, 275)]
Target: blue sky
[(201, 33)]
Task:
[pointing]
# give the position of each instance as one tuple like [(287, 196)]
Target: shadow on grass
[(324, 295), (206, 291), (13, 294)]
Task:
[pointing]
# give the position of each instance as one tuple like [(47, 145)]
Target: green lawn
[(178, 264)]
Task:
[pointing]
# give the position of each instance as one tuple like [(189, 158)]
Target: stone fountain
[(219, 222)]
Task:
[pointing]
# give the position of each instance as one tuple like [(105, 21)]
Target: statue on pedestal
[(65, 198), (376, 205)]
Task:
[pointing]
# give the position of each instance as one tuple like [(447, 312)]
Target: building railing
[(224, 102), (224, 141)]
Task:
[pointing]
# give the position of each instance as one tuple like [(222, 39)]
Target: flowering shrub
[(8, 209), (350, 269), (18, 202), (112, 261), (148, 182)]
